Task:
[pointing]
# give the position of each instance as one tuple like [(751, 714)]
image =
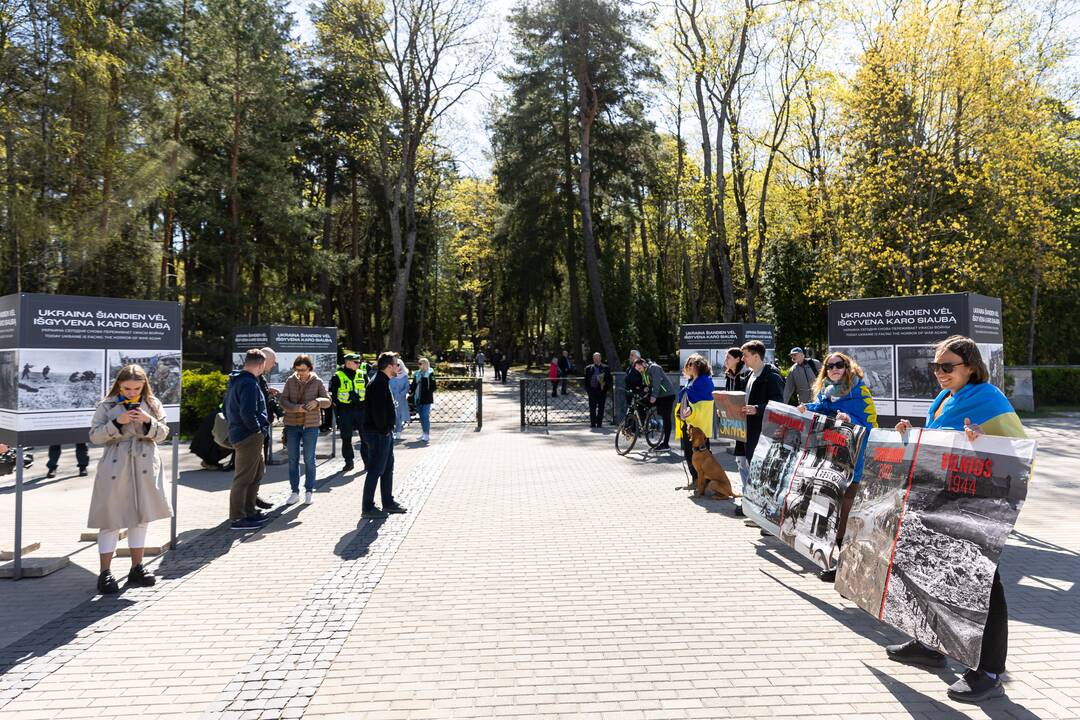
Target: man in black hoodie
[(378, 427)]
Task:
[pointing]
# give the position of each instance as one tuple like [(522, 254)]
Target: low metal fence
[(546, 403), (458, 400)]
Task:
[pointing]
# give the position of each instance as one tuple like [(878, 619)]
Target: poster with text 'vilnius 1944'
[(927, 529), (801, 467)]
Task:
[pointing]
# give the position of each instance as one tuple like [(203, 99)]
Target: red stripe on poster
[(899, 524)]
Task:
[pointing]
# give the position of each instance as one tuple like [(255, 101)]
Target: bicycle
[(641, 419)]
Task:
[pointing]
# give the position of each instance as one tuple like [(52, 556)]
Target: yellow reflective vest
[(346, 385)]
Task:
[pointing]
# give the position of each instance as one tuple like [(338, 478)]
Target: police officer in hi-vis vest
[(347, 389)]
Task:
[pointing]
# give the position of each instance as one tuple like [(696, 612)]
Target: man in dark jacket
[(597, 384), (764, 383), (634, 383), (380, 416), (348, 391), (566, 366), (245, 410)]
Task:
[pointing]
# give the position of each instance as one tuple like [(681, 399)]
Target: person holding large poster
[(129, 486), (842, 394), (968, 402)]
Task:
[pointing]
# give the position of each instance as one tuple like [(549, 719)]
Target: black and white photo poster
[(801, 467), (289, 341), (927, 530), (59, 355), (713, 340)]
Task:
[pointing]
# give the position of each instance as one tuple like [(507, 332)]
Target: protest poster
[(731, 421), (59, 355), (288, 341), (893, 340), (801, 467), (926, 531), (713, 340)]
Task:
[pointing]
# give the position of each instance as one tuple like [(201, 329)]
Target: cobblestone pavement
[(537, 574)]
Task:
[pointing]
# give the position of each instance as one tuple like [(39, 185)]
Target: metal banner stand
[(17, 567), (175, 485), (333, 433)]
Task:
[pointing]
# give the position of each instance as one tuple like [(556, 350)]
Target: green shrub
[(202, 393), (1056, 386)]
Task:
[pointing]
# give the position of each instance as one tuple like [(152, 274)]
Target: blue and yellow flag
[(698, 395)]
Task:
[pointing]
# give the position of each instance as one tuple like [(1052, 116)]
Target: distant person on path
[(129, 485), (348, 388), (566, 366), (661, 393), (696, 406), (399, 388), (304, 397), (968, 402), (45, 372), (26, 371), (553, 376), (735, 377), (249, 424), (480, 363), (801, 377), (496, 363), (423, 393), (597, 384), (82, 457), (379, 418), (634, 381), (842, 393), (505, 366)]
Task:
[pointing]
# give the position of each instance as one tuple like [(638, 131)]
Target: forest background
[(649, 164)]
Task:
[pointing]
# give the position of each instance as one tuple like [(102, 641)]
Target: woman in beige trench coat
[(129, 486)]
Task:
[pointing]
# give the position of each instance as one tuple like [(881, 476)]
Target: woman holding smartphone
[(304, 397), (129, 485)]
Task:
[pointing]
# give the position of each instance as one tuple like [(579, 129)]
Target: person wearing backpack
[(801, 377), (661, 393)]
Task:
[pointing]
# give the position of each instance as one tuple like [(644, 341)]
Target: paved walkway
[(537, 574)]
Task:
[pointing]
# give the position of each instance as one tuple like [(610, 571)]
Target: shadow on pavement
[(922, 705), (356, 543)]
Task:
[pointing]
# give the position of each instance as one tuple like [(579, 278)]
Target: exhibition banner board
[(926, 531), (59, 355), (893, 341), (712, 341), (288, 341), (802, 466), (731, 423)]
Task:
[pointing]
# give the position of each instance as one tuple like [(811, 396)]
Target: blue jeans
[(293, 436), (399, 388), (425, 417), (381, 470)]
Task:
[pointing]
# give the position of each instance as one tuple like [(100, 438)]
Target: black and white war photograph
[(57, 379), (914, 381), (783, 434), (9, 379), (994, 357), (163, 367), (877, 362), (325, 366)]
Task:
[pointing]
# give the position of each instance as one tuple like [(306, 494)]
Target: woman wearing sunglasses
[(968, 402), (841, 393)]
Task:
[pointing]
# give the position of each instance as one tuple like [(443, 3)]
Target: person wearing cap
[(801, 377), (347, 393)]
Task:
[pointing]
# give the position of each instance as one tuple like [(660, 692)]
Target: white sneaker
[(425, 438), (293, 499), (308, 497)]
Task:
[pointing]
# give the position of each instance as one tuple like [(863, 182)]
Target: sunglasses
[(946, 368), (840, 365)]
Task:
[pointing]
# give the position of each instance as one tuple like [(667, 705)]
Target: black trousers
[(995, 642), (597, 403), (349, 420), (82, 456), (688, 450), (665, 406)]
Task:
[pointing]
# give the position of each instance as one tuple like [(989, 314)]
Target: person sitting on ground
[(203, 446), (842, 393), (304, 397), (129, 485), (695, 406), (968, 402)]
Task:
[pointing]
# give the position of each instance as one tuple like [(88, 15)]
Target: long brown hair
[(132, 372), (851, 372), (968, 351), (699, 363)]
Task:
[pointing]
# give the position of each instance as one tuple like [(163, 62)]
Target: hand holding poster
[(801, 467), (729, 405), (927, 529)]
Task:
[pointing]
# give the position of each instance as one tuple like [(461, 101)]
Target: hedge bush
[(1056, 386), (202, 393)]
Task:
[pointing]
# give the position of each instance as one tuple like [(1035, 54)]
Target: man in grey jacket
[(661, 394), (801, 376)]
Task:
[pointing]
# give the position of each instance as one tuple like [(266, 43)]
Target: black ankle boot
[(139, 576), (106, 583)]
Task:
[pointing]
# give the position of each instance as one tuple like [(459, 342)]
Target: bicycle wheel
[(626, 435), (654, 428)]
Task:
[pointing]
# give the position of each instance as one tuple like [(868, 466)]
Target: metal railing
[(565, 401), (458, 400)]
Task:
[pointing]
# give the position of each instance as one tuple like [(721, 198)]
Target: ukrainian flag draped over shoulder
[(983, 404), (698, 395)]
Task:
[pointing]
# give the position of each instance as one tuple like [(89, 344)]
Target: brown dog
[(710, 474)]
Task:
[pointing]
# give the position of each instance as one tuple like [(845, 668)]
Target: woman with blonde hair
[(841, 393), (129, 485)]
